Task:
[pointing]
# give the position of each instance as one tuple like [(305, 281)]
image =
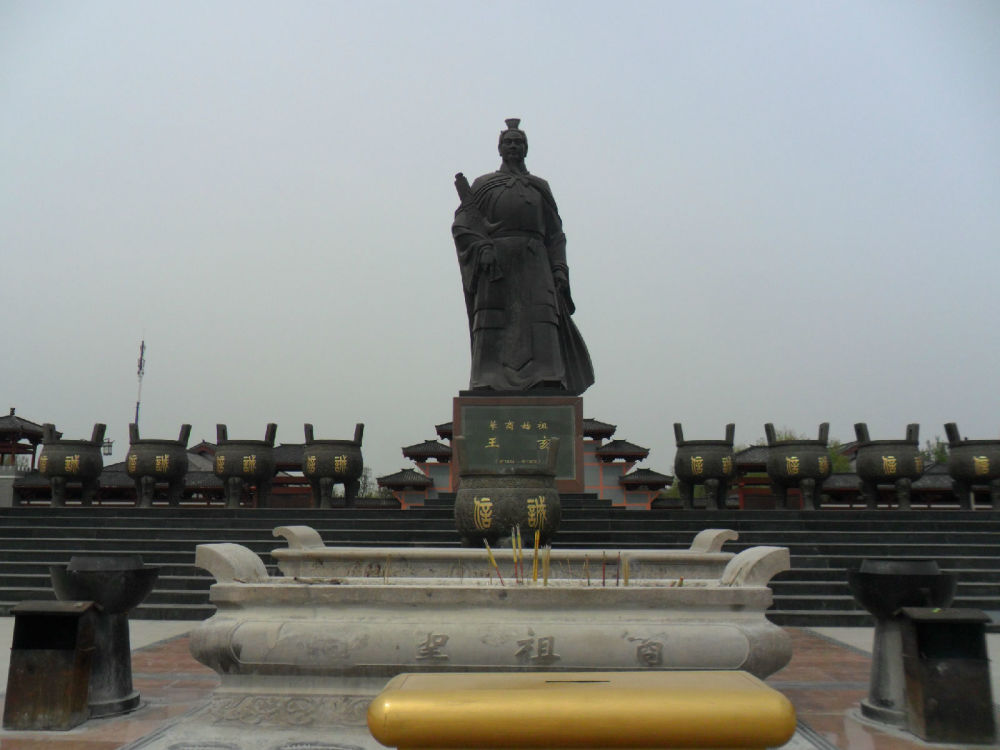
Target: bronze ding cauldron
[(329, 462), (895, 462), (65, 461), (489, 503), (708, 462), (798, 463), (151, 460), (239, 462), (972, 462)]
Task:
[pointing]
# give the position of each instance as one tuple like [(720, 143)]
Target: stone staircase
[(823, 545)]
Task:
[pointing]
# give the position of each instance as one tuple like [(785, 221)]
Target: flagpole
[(142, 370)]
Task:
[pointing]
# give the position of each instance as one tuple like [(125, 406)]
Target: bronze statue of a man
[(512, 255)]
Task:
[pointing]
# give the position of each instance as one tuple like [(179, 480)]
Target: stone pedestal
[(502, 430)]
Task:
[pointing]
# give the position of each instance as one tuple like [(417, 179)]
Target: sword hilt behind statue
[(474, 218)]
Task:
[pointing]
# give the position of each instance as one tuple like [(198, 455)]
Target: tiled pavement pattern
[(825, 680)]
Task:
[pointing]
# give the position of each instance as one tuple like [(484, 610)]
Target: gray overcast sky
[(776, 211)]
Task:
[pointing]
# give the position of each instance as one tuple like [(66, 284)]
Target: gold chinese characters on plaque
[(71, 464), (792, 465), (889, 465), (161, 463), (697, 465)]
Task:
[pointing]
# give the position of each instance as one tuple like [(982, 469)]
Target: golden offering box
[(535, 710)]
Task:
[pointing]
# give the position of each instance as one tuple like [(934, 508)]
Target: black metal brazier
[(895, 462), (150, 461), (65, 461), (489, 503), (798, 463), (329, 462), (240, 462), (706, 462), (972, 462)]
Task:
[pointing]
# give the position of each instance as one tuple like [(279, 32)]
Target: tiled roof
[(595, 428), (15, 428), (444, 430), (427, 449), (755, 455), (622, 449), (654, 480), (405, 478)]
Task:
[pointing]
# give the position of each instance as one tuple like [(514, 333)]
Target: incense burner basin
[(325, 636), (239, 462)]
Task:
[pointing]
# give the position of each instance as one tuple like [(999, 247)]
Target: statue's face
[(513, 146)]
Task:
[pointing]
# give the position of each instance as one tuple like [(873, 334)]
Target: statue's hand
[(487, 259), (561, 280)]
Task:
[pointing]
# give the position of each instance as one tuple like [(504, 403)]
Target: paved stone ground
[(827, 677)]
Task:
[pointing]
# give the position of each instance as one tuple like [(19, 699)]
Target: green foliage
[(839, 463), (936, 452)]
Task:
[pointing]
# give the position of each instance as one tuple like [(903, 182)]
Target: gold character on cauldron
[(220, 463), (544, 444), (727, 465), (543, 425), (697, 465), (250, 464), (918, 464), (508, 425), (537, 514), (43, 464), (310, 464), (889, 465), (824, 464), (161, 463), (493, 424), (525, 425), (792, 465), (492, 442), (981, 465), (340, 464), (71, 465), (482, 512), (133, 462)]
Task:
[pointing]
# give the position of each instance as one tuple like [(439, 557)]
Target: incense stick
[(534, 564), (493, 562)]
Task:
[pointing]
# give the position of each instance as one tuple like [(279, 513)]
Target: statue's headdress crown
[(512, 126)]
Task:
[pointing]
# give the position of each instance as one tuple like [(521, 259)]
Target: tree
[(936, 452)]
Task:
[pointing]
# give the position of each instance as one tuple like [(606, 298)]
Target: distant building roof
[(749, 459), (203, 448), (595, 428), (648, 478), (288, 456), (428, 449), (444, 430), (405, 478), (621, 449), (14, 428)]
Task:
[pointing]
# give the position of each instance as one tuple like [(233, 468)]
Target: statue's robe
[(520, 328)]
